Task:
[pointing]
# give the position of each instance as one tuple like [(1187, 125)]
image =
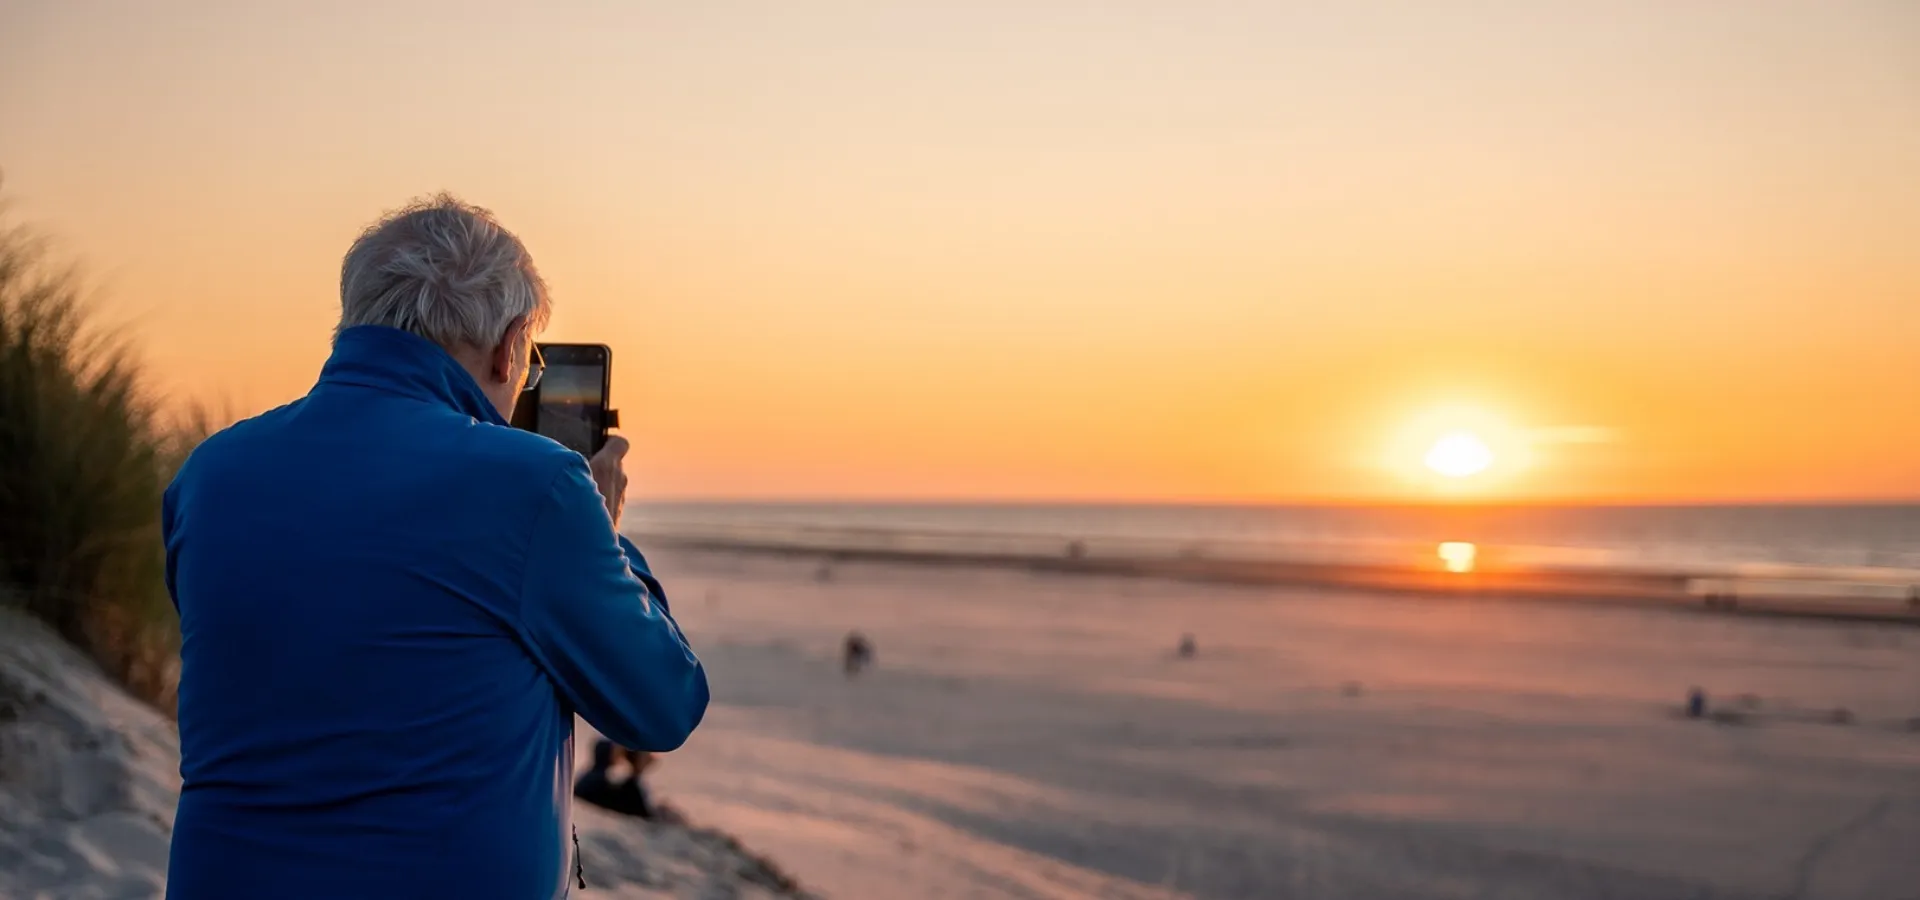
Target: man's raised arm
[(599, 622)]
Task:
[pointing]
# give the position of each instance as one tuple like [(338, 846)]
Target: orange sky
[(1195, 251)]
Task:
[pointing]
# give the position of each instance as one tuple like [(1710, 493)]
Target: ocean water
[(1871, 542)]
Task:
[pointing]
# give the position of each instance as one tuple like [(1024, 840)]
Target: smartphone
[(570, 402)]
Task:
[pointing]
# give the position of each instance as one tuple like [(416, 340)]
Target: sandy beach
[(1034, 735)]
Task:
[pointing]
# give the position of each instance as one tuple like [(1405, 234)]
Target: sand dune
[(89, 778)]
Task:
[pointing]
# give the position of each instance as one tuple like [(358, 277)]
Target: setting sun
[(1459, 454), (1461, 448)]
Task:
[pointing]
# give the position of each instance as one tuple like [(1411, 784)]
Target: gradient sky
[(1173, 251)]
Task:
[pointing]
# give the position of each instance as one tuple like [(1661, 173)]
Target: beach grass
[(86, 450)]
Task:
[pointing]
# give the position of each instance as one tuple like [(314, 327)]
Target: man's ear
[(500, 365)]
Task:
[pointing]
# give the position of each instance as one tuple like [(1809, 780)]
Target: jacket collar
[(407, 364)]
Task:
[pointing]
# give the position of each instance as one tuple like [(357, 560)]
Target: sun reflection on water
[(1458, 555)]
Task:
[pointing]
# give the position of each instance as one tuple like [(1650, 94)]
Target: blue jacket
[(391, 606)]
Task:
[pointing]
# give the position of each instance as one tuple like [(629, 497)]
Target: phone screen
[(569, 404)]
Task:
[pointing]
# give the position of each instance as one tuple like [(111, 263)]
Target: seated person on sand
[(629, 796)]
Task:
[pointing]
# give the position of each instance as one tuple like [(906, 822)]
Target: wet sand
[(1033, 734)]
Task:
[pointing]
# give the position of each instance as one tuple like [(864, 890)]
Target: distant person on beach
[(631, 795), (597, 786), (856, 654), (392, 604), (628, 796), (634, 795)]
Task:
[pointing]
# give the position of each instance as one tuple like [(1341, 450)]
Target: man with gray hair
[(392, 604)]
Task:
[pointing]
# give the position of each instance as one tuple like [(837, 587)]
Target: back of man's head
[(444, 270)]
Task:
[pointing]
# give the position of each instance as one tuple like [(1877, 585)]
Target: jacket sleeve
[(169, 504), (596, 618)]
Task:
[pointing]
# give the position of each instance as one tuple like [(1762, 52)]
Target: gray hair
[(444, 270)]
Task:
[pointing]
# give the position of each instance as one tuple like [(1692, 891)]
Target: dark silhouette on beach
[(628, 796), (856, 654)]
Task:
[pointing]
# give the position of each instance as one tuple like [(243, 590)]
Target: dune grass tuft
[(85, 453)]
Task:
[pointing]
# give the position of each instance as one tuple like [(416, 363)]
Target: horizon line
[(1275, 503)]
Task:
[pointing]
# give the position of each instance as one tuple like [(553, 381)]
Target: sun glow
[(1459, 454), (1459, 450)]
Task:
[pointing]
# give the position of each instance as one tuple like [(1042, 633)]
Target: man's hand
[(610, 475)]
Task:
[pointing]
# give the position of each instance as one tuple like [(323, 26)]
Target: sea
[(1871, 542)]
